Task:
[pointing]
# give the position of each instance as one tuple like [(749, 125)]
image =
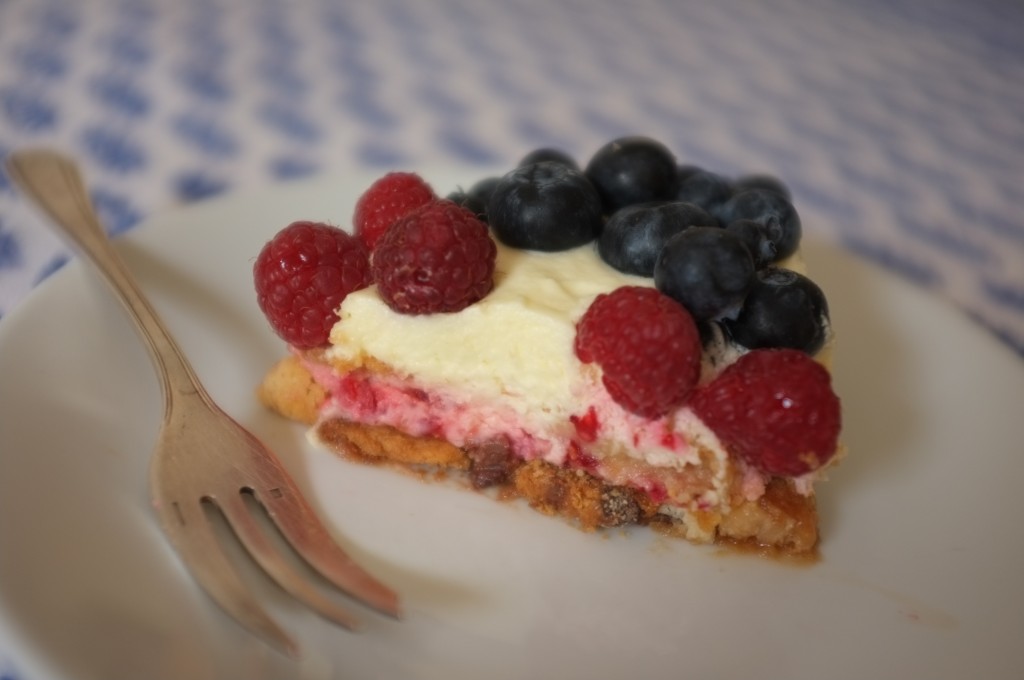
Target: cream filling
[(515, 345)]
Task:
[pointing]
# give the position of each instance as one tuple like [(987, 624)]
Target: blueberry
[(783, 309), (701, 187), (545, 206), (708, 270), (761, 248), (634, 235), (483, 189), (768, 182), (710, 334), (762, 205), (685, 170), (461, 197), (549, 154), (632, 170), (476, 198)]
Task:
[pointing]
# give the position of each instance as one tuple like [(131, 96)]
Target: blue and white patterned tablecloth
[(899, 124)]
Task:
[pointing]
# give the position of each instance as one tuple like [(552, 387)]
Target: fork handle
[(53, 181)]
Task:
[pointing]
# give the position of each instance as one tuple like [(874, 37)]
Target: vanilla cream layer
[(515, 345)]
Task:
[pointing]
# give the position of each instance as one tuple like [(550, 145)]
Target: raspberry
[(439, 258), (303, 274), (647, 346), (587, 426), (775, 409), (391, 197)]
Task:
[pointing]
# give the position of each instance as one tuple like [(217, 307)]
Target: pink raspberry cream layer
[(674, 459)]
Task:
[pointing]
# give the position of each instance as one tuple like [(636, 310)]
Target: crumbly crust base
[(781, 521)]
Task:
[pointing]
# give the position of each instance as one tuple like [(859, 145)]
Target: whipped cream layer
[(515, 345)]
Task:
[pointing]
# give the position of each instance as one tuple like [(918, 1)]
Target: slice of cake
[(632, 344)]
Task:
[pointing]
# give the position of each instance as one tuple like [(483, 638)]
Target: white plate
[(921, 562)]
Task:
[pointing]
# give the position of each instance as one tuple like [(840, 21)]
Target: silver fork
[(202, 455)]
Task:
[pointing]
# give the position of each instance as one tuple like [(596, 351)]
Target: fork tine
[(255, 540), (300, 526), (192, 535)]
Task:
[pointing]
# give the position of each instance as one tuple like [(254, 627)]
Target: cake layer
[(764, 512), (541, 369)]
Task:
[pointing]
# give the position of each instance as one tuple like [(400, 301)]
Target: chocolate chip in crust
[(491, 463), (619, 507)]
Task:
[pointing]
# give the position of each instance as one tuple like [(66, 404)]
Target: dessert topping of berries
[(301, 277), (394, 195), (634, 236), (708, 270), (438, 258), (545, 206), (632, 170), (647, 346), (775, 409), (783, 309)]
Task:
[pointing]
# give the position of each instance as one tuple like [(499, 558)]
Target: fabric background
[(898, 125)]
